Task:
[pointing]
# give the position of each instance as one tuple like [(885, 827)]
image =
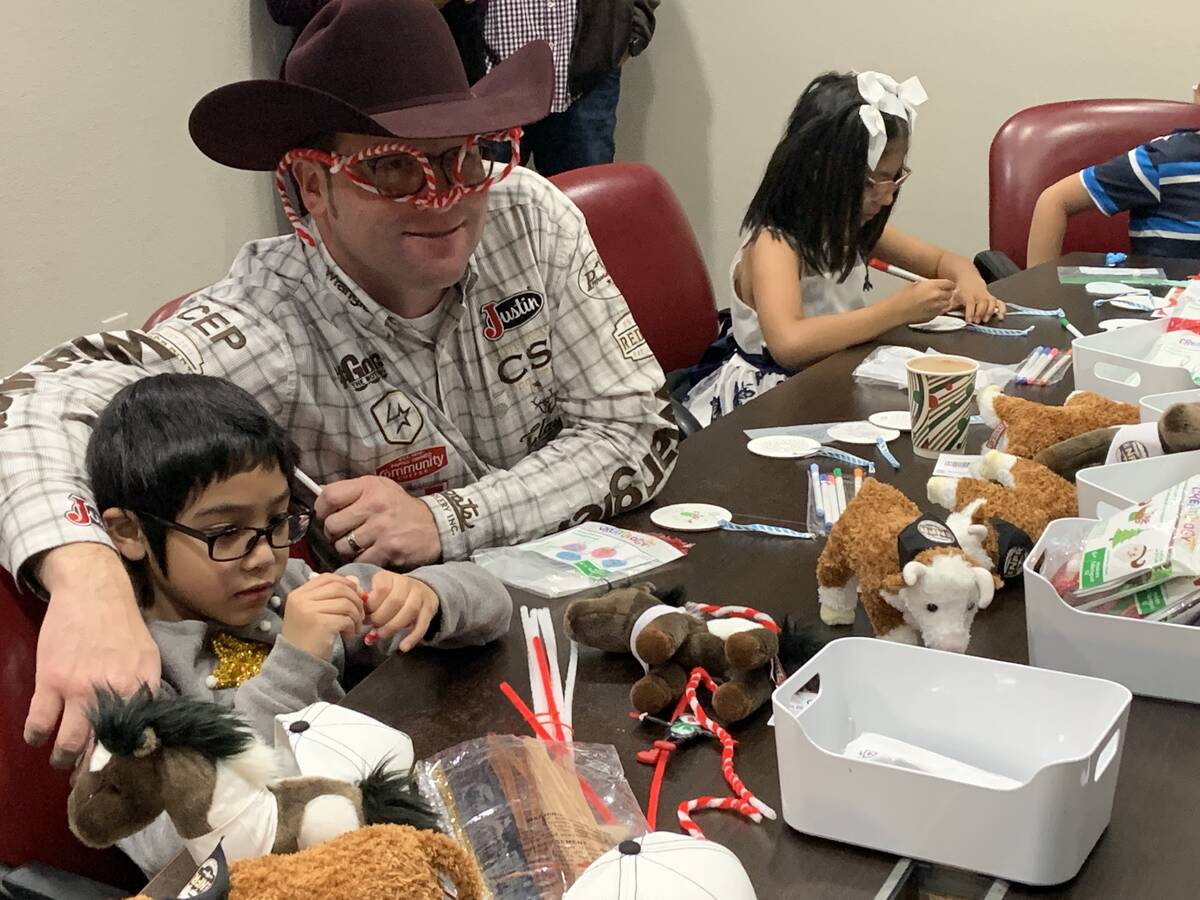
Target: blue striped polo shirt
[(1159, 183)]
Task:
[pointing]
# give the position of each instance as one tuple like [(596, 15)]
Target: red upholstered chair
[(1043, 144), (652, 255), (34, 825), (164, 312)]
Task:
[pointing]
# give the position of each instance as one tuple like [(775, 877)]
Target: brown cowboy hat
[(381, 67)]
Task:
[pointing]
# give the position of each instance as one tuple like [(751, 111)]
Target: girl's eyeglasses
[(893, 185)]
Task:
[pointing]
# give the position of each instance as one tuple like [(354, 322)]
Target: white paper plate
[(860, 433), (690, 516), (1118, 324), (940, 323), (783, 446), (1111, 289), (892, 420)]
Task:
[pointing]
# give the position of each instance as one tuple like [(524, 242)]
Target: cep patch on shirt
[(926, 533)]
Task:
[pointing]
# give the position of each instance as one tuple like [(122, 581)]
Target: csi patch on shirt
[(398, 418), (510, 313)]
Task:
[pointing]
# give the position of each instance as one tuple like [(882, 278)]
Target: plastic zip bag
[(534, 815)]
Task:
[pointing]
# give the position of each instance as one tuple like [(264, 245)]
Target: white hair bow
[(883, 95)]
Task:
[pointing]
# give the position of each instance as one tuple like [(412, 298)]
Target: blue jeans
[(581, 135)]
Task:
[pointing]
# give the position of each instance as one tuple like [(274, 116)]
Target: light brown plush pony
[(672, 644), (932, 599), (1006, 487), (1030, 427), (380, 861)]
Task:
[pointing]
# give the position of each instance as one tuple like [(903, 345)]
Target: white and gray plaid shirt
[(511, 24), (538, 403)]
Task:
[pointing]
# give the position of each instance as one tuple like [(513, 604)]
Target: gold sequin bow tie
[(237, 660)]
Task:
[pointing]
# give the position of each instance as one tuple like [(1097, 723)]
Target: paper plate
[(1111, 289), (860, 433), (690, 516), (1118, 324), (892, 420), (940, 323), (783, 446)]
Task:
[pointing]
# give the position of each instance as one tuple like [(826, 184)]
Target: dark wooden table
[(442, 698)]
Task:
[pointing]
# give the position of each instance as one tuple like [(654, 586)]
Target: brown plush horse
[(201, 763)]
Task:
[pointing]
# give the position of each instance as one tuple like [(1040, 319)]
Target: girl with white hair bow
[(820, 212)]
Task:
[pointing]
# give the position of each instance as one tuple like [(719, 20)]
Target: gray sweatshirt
[(474, 608)]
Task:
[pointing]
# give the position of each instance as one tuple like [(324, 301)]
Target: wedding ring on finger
[(355, 547)]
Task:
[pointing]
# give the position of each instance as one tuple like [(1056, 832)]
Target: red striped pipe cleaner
[(740, 612), (745, 802)]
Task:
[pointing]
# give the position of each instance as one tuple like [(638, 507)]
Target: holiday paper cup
[(940, 392)]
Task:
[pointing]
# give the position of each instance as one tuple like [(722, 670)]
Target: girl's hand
[(977, 302), (397, 602), (320, 610), (922, 301)]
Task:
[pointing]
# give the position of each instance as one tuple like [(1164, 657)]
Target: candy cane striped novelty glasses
[(405, 174)]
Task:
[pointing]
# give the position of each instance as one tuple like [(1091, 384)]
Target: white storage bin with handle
[(1060, 736), (1154, 405), (1154, 659), (1113, 364), (1104, 490)]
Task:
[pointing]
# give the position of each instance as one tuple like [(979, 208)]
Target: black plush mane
[(179, 722)]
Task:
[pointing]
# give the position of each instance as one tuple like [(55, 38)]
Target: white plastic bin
[(1113, 364), (1154, 405), (1154, 659), (1059, 735), (1104, 490)]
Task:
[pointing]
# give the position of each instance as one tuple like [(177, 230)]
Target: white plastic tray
[(1155, 659), (1113, 364), (1154, 405), (1059, 735), (1104, 490)]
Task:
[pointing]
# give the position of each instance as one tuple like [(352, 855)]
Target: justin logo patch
[(81, 512), (510, 313), (398, 418)]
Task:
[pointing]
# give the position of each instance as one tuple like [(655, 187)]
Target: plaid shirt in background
[(511, 24)]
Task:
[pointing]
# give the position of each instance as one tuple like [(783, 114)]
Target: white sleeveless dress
[(750, 370)]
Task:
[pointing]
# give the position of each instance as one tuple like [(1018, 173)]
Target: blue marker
[(814, 488)]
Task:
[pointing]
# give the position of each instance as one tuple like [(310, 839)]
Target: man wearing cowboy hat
[(438, 335)]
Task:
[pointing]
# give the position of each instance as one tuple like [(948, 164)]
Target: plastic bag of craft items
[(1179, 345), (884, 367), (534, 814), (1141, 563), (586, 556)]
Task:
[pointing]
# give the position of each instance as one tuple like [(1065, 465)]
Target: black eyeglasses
[(228, 544)]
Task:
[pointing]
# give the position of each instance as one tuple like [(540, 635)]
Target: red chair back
[(164, 312), (34, 824), (652, 255), (1043, 144)]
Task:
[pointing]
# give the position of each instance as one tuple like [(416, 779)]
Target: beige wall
[(107, 206), (708, 101)]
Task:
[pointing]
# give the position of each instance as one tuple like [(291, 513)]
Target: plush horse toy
[(202, 764)]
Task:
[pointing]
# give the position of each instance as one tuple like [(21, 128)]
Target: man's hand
[(93, 634), (388, 526), (320, 610), (397, 602)]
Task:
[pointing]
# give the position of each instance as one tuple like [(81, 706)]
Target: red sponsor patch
[(414, 466)]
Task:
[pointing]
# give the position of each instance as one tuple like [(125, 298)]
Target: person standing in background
[(465, 18), (591, 39)]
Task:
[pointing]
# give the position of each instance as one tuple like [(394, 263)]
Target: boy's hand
[(320, 610), (397, 602)]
